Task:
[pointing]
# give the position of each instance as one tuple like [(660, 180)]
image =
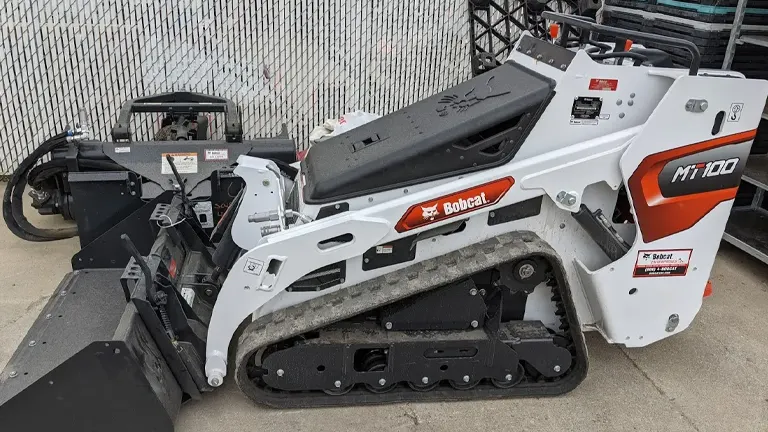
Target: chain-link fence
[(296, 62)]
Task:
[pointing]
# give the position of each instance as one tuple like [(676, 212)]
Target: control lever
[(156, 298), (179, 180)]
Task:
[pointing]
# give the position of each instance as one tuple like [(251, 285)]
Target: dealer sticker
[(665, 262), (216, 154), (385, 249), (186, 163), (253, 266), (603, 84)]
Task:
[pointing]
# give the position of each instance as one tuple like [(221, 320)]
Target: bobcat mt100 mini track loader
[(455, 249)]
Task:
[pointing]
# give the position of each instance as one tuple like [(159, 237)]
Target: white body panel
[(590, 161)]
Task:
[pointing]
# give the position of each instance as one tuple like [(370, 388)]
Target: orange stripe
[(658, 216)]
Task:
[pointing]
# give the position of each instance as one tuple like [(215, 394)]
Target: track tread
[(395, 286)]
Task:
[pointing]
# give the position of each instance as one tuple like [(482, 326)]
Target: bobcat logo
[(429, 213), (471, 98), (646, 255)]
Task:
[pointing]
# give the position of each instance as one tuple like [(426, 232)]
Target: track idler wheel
[(339, 390), (464, 385), (423, 387), (376, 361), (512, 379)]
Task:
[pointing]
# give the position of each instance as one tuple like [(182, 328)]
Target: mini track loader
[(455, 249)]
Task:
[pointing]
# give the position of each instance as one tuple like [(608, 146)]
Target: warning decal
[(186, 163), (671, 262), (734, 114), (253, 266)]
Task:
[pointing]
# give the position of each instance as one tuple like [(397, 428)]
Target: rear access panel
[(88, 364)]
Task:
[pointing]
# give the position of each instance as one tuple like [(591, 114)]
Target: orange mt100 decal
[(672, 190), (454, 204)]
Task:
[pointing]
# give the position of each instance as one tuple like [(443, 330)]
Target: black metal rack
[(747, 227), (495, 25)]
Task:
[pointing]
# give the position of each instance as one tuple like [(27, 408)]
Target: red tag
[(603, 84), (172, 268), (454, 204)]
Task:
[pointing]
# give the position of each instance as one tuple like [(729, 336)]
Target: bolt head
[(562, 67), (557, 368), (473, 291), (571, 200), (388, 326), (48, 316), (526, 271), (280, 372), (425, 380), (32, 343), (561, 196), (337, 384), (508, 377), (382, 382), (215, 381), (265, 182), (492, 214), (466, 378), (208, 291), (482, 291), (704, 105), (474, 323)]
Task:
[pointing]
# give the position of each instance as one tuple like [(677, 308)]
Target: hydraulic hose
[(13, 212)]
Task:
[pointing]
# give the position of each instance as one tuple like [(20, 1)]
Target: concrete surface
[(713, 377)]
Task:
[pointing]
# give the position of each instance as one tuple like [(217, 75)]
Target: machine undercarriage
[(456, 249), (467, 335)]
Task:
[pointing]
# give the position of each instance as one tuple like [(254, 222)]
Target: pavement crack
[(28, 309), (411, 414), (661, 391), (37, 303)]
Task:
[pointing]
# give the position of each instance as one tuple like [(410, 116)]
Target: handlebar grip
[(577, 22)]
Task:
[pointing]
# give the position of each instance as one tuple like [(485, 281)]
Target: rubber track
[(395, 286)]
